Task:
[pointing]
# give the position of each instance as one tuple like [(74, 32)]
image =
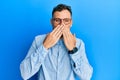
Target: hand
[(69, 39), (53, 37)]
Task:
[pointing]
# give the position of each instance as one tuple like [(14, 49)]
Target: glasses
[(59, 21)]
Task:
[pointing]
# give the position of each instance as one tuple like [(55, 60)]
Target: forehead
[(62, 14)]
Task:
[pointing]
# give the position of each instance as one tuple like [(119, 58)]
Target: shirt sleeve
[(80, 63), (32, 62)]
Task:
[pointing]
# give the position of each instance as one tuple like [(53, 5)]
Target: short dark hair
[(61, 7)]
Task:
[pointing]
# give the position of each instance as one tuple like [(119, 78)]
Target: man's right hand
[(53, 37)]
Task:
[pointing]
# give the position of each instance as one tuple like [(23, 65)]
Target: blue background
[(96, 22)]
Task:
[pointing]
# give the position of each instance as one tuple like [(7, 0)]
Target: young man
[(58, 55)]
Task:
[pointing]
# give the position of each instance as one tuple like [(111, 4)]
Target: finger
[(55, 29), (58, 30), (70, 36), (65, 36), (73, 38), (59, 33), (67, 33), (64, 33)]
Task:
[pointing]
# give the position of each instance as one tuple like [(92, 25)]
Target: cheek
[(68, 26), (54, 26)]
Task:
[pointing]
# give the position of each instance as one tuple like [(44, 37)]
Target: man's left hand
[(69, 39)]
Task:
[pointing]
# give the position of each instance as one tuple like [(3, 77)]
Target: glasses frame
[(60, 20)]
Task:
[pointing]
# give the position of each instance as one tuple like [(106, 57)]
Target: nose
[(61, 21)]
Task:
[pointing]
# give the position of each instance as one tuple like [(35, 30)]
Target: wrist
[(74, 50)]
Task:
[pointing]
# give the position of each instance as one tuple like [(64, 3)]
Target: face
[(61, 18)]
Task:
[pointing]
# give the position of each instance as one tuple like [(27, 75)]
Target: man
[(58, 55)]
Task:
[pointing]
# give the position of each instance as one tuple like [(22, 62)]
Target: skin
[(60, 31)]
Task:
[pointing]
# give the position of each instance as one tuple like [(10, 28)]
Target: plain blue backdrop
[(96, 22)]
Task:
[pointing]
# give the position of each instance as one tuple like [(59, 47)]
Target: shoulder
[(79, 42), (39, 39)]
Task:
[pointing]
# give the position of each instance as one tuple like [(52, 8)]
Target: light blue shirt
[(55, 63)]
